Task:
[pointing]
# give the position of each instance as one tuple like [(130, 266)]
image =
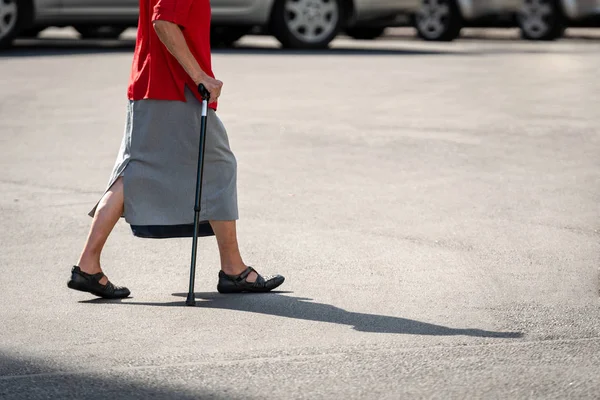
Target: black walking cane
[(191, 299)]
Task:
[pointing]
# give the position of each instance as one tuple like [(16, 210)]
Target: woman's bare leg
[(108, 212), (231, 260)]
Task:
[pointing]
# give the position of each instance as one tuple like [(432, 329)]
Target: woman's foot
[(242, 282), (91, 283)]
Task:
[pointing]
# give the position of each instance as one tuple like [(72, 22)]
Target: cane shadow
[(306, 309)]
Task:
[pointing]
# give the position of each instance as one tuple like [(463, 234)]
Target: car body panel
[(473, 9), (48, 4), (573, 9), (579, 9), (120, 9), (369, 9), (241, 12), (59, 12), (46, 9)]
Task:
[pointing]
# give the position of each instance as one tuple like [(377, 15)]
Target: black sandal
[(91, 284), (239, 284)]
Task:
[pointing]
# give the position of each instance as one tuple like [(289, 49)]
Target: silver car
[(295, 23), (537, 19)]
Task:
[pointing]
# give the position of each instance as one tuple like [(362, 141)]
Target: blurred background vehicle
[(305, 24), (442, 20)]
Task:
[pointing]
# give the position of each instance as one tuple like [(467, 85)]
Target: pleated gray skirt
[(158, 161)]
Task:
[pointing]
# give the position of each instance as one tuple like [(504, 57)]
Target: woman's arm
[(172, 37)]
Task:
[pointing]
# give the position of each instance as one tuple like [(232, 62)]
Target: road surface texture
[(434, 208)]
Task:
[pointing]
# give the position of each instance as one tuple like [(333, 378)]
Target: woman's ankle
[(90, 264), (234, 270), (230, 269)]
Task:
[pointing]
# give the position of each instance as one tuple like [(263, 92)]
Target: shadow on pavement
[(66, 47), (37, 379), (304, 308), (55, 47), (337, 51)]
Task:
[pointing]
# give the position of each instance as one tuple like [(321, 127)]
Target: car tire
[(307, 24), (438, 20), (226, 36), (541, 20), (12, 17), (365, 32), (99, 32)]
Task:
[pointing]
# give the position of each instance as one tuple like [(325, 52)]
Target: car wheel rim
[(8, 16), (433, 17), (311, 21), (535, 17)]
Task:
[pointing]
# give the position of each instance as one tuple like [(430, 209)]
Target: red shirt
[(156, 73)]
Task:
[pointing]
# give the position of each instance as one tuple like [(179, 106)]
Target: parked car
[(305, 24), (295, 23), (442, 20)]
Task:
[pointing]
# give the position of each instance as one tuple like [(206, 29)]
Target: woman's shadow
[(303, 308)]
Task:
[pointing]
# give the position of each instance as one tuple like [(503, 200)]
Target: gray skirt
[(158, 161)]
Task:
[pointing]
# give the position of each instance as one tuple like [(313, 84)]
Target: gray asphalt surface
[(434, 208)]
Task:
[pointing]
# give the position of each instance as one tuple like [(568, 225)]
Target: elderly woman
[(153, 181)]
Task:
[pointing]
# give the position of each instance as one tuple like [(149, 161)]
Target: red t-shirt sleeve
[(175, 11)]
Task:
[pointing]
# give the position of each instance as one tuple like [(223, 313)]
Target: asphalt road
[(434, 208)]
